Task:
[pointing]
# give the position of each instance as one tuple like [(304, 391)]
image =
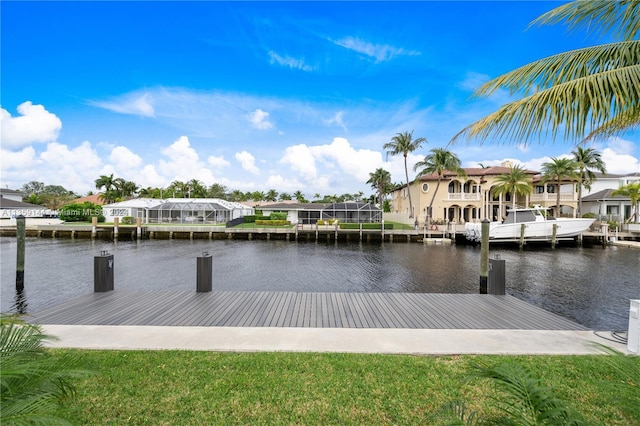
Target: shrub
[(80, 212), (278, 216), (251, 218), (589, 215), (128, 220), (273, 222)]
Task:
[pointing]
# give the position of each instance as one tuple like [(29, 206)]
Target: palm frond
[(580, 106), (621, 17), (524, 398), (564, 67)]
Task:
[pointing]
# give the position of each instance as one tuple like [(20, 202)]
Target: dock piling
[(103, 272), (20, 233), (204, 278), (484, 256)]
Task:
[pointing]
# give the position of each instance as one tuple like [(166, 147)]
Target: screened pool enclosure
[(352, 212)]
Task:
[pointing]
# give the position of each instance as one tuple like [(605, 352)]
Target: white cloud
[(217, 162), (247, 161), (35, 124), (619, 158), (379, 52), (124, 159), (288, 61), (259, 119), (337, 119), (302, 160), (131, 103), (282, 184), (338, 157), (183, 163), (17, 160)]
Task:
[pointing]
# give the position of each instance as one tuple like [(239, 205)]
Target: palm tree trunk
[(406, 173), (580, 193), (558, 199), (433, 197)]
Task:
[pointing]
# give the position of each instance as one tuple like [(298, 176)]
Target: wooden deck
[(291, 309)]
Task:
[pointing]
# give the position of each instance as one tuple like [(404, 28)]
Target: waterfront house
[(176, 210), (473, 198), (12, 206), (310, 213)]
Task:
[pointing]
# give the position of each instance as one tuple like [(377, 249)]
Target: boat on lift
[(538, 226)]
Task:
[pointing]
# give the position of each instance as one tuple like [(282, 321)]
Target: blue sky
[(261, 95)]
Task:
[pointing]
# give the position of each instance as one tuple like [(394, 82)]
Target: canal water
[(591, 286)]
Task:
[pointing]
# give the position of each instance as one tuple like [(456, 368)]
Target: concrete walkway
[(292, 339)]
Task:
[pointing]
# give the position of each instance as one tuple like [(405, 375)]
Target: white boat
[(538, 225)]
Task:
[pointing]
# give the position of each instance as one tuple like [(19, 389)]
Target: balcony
[(553, 197), (463, 196)]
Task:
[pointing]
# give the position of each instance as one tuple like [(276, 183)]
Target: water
[(591, 286)]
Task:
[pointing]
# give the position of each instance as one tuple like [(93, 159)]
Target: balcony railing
[(553, 197), (455, 196)]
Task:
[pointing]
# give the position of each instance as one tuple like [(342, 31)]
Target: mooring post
[(484, 256), (204, 273), (554, 235), (139, 227), (94, 226), (103, 272), (496, 276), (116, 222), (522, 229), (20, 234)]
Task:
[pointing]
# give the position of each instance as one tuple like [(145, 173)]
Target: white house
[(176, 210), (12, 206)]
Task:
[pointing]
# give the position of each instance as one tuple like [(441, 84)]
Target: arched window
[(425, 187)]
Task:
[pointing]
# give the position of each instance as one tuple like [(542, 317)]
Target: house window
[(551, 189), (425, 187), (539, 189)]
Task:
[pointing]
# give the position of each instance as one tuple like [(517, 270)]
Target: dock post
[(20, 234), (103, 272), (139, 227), (554, 235), (484, 256), (204, 273), (496, 276), (116, 222), (94, 226), (522, 227)]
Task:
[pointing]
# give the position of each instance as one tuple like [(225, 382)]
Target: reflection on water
[(589, 285)]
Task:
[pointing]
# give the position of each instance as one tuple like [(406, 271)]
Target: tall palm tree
[(587, 160), (272, 195), (196, 189), (516, 182), (380, 180), (589, 92), (108, 183), (557, 170), (439, 161), (299, 196), (632, 191), (403, 143)]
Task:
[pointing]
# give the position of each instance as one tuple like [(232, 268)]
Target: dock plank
[(294, 309)]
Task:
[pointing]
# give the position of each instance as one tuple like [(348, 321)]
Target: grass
[(178, 387)]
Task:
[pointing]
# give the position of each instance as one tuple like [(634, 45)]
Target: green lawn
[(178, 387)]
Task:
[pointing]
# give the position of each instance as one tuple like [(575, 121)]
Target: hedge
[(365, 226)]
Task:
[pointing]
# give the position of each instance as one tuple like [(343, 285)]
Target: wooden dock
[(292, 309)]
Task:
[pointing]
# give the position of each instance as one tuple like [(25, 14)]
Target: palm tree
[(586, 160), (403, 143), (632, 191), (217, 191), (439, 161), (380, 180), (299, 196), (108, 183), (557, 170), (516, 182), (272, 195), (196, 189), (589, 92), (284, 196)]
